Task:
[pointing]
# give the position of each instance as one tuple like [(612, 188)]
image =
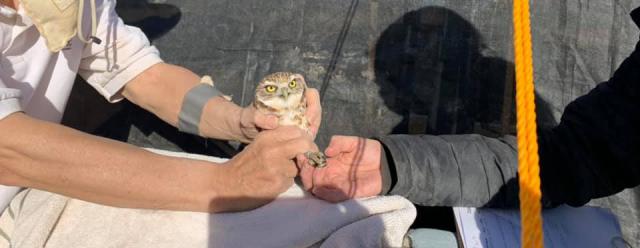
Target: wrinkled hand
[(253, 121), (353, 170), (264, 169)]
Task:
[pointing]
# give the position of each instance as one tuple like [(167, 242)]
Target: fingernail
[(328, 151)]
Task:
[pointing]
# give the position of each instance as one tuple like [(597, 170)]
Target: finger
[(314, 109), (306, 175), (265, 121), (291, 148), (284, 133), (301, 159), (340, 144), (330, 194), (284, 167), (289, 169)]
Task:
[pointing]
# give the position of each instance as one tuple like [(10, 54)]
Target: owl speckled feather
[(283, 94)]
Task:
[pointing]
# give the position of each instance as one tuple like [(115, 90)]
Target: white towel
[(295, 219)]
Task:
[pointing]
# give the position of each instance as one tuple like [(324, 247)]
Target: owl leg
[(316, 159)]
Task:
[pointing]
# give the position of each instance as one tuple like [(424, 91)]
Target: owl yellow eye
[(270, 88), (293, 84)]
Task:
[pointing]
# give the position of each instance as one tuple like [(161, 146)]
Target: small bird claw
[(316, 159)]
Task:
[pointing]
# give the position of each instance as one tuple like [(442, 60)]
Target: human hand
[(314, 110), (353, 170), (253, 121), (264, 169)]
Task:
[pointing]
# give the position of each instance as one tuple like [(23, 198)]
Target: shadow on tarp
[(431, 70)]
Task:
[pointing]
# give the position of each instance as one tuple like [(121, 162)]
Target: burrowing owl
[(283, 94)]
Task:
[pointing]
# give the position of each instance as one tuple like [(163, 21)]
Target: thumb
[(341, 144), (306, 172), (265, 121)]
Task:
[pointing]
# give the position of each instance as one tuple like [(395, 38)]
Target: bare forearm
[(54, 158), (161, 90)]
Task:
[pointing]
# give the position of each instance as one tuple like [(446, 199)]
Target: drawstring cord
[(92, 37)]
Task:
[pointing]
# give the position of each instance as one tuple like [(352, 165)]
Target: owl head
[(281, 90)]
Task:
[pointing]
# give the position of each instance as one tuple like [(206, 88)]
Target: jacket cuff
[(387, 168), (417, 179)]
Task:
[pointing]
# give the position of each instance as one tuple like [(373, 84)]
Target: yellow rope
[(528, 168)]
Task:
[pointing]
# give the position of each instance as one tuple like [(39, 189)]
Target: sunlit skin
[(48, 156), (352, 171)]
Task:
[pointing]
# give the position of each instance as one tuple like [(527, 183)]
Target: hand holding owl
[(263, 170), (253, 121), (284, 119), (285, 95), (243, 124)]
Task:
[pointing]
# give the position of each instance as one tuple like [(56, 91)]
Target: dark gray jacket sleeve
[(593, 152), (453, 170)]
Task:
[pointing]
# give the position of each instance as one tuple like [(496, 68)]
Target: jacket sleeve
[(593, 152), (453, 170)]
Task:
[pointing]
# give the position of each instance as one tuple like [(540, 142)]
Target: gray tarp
[(388, 66)]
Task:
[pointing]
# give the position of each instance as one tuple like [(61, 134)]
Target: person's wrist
[(233, 122), (192, 110), (228, 194), (240, 126), (195, 186), (221, 120), (216, 194)]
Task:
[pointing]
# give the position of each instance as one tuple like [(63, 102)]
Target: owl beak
[(285, 93)]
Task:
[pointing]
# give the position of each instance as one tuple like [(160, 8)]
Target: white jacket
[(38, 82)]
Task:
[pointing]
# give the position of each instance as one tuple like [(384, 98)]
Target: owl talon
[(316, 159)]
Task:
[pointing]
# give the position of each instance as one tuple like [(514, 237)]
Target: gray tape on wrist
[(192, 106)]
